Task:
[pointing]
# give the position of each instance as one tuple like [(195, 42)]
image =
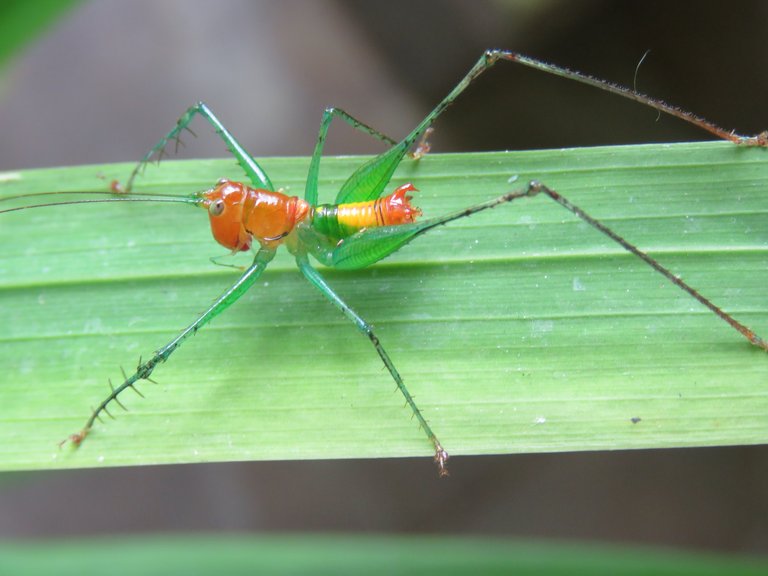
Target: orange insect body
[(239, 214)]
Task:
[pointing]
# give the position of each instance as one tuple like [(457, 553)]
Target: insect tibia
[(117, 400), (745, 331), (757, 341), (490, 57), (144, 371)]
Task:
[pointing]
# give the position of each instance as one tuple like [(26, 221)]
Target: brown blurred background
[(111, 77)]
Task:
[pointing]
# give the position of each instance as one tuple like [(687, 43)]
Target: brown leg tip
[(423, 146), (75, 439), (116, 187), (441, 459), (759, 342)]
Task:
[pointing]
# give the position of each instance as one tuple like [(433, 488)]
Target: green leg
[(491, 57), (373, 244), (255, 172), (370, 179), (310, 193), (441, 456), (144, 369)]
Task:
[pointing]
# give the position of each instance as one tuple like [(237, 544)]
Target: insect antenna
[(112, 197)]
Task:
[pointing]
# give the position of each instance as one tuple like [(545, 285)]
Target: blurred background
[(105, 80)]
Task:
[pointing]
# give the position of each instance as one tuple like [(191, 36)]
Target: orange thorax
[(239, 214)]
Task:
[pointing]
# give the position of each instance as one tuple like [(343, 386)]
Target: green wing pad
[(373, 244), (368, 181)]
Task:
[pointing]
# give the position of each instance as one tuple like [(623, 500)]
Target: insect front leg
[(144, 369), (249, 165), (441, 456)]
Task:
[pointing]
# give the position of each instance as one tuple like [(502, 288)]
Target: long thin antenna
[(113, 194), (143, 198)]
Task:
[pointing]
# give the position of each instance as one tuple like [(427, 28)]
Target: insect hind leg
[(535, 188), (490, 57), (363, 249)]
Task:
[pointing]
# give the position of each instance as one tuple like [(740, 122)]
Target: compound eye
[(216, 208)]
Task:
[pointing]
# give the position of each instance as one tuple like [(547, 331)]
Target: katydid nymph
[(368, 221)]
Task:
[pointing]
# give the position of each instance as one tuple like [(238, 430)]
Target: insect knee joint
[(371, 336), (534, 188)]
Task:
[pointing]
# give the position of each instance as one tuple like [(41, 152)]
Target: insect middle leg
[(441, 456), (310, 191)]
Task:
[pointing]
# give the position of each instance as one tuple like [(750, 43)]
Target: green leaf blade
[(518, 330)]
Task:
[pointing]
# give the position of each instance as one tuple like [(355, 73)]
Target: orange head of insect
[(225, 203)]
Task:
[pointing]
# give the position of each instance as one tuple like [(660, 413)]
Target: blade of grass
[(518, 330), (169, 555)]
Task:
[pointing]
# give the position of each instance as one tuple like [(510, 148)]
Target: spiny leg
[(144, 369), (760, 139), (491, 57), (369, 246), (310, 191), (748, 333), (252, 168), (441, 456), (370, 179)]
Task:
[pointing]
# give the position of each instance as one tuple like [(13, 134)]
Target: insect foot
[(757, 140), (423, 146), (75, 439), (441, 459)]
